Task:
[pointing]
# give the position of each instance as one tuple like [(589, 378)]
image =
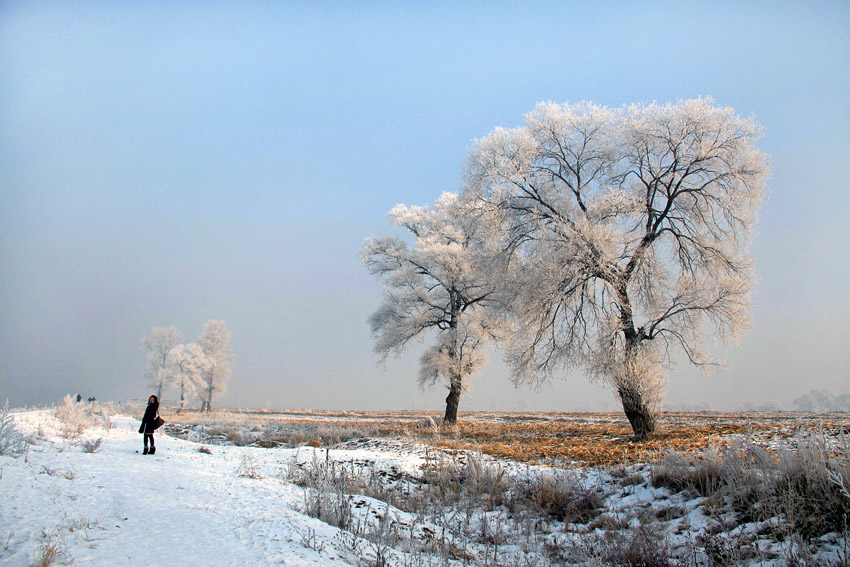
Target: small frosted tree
[(74, 416), (189, 364), (435, 285), (629, 230), (158, 348), (215, 346), (12, 441)]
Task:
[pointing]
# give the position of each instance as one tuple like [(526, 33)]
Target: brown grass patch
[(575, 440), (589, 439)]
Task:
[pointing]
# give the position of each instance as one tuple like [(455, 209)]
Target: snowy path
[(178, 507)]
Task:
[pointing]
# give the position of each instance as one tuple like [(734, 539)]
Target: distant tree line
[(199, 369), (822, 400)]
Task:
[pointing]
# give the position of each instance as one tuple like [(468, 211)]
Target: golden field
[(585, 439)]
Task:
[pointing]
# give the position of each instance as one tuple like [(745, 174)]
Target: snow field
[(364, 502)]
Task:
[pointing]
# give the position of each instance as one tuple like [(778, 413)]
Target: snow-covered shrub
[(431, 426), (66, 474), (327, 485), (803, 492), (299, 434), (12, 441), (837, 479), (795, 484), (559, 497), (74, 416), (444, 475), (333, 434), (92, 445), (233, 435), (310, 541), (643, 548), (701, 474), (248, 467), (453, 478)]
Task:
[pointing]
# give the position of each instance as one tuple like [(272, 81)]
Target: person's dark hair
[(154, 398)]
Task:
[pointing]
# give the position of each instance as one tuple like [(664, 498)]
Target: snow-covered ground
[(192, 504), (177, 507)]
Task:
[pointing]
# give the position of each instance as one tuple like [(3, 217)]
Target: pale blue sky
[(165, 164)]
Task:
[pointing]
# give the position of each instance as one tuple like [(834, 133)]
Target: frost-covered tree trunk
[(637, 408), (454, 372), (439, 285), (453, 398), (627, 230), (631, 378), (162, 378)]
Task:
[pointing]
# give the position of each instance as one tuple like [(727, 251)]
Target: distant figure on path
[(150, 422)]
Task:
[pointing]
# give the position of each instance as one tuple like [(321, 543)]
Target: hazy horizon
[(169, 164)]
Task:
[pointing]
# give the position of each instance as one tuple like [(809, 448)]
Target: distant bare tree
[(158, 347), (189, 364), (436, 285), (629, 230), (215, 345)]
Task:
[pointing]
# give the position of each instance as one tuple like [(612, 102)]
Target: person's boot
[(145, 452), (152, 451)]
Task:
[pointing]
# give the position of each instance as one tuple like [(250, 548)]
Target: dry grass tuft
[(50, 551), (92, 445)]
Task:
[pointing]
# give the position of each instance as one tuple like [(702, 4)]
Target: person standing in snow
[(150, 422)]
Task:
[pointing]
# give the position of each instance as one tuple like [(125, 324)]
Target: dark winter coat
[(151, 412)]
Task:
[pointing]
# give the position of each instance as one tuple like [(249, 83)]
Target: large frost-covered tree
[(437, 284), (158, 348), (215, 346), (189, 365), (629, 229)]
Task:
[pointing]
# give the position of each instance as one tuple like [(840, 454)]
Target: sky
[(170, 163)]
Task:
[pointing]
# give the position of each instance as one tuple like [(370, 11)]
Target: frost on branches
[(215, 368), (439, 284), (198, 369), (628, 231), (189, 366), (158, 348)]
